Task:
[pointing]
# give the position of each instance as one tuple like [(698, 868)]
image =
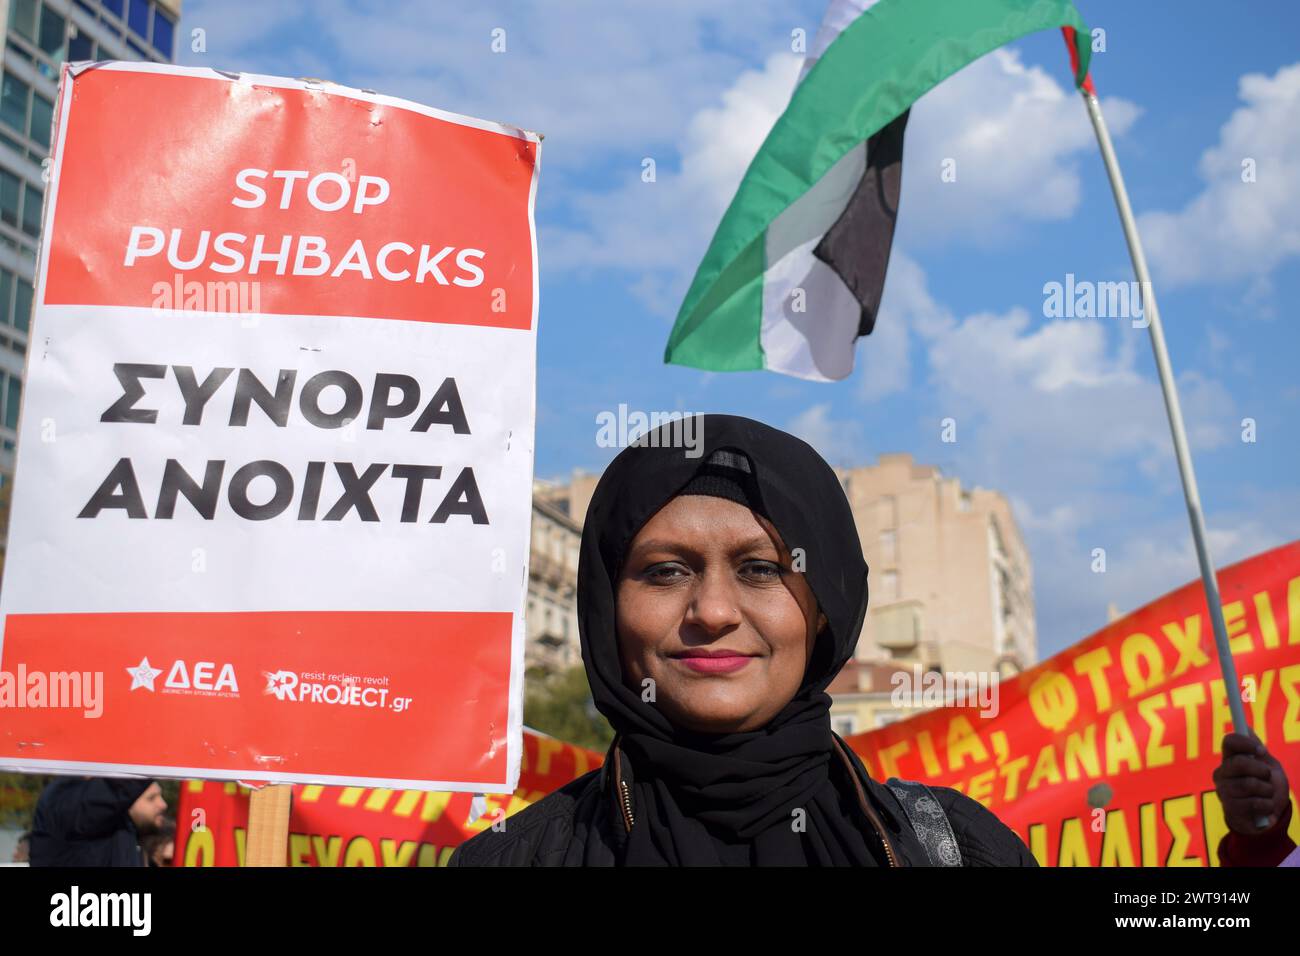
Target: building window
[(844, 724), (889, 546), (889, 585), (23, 304), (6, 297), (80, 47), (887, 512), (138, 18), (10, 191), (13, 103), (53, 27), (14, 112), (22, 19), (13, 395), (32, 210), (163, 29), (42, 120)]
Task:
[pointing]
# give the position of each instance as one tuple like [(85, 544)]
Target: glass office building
[(40, 35)]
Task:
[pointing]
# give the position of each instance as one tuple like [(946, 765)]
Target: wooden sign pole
[(268, 826)]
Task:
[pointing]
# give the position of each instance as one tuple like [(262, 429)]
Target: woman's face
[(711, 611)]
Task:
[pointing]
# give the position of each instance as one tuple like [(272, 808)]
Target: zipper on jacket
[(625, 801), (880, 831), (866, 806), (627, 806)]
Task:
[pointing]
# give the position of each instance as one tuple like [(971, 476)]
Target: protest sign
[(275, 460), (1104, 754)]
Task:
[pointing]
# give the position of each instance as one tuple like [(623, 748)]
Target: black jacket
[(80, 822), (542, 834)]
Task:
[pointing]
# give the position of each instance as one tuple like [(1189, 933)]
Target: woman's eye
[(664, 573), (762, 570)]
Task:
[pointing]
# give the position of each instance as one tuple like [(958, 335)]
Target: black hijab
[(716, 799)]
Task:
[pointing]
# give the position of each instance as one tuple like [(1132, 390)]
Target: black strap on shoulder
[(928, 820)]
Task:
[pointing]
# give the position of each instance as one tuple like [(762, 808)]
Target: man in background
[(95, 821)]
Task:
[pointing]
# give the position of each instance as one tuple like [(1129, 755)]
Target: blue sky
[(1063, 415)]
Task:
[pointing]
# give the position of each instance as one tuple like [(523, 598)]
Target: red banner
[(1103, 755), (365, 826)]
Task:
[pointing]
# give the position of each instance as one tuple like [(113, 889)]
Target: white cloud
[(1144, 561), (1236, 229), (1064, 402), (1061, 417), (1060, 519), (1143, 564), (884, 357), (1012, 134), (838, 441), (665, 224)]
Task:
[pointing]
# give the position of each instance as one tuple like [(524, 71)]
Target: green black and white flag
[(796, 269)]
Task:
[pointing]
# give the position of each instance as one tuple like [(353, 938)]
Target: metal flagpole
[(1152, 314)]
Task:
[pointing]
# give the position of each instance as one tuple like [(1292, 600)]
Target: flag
[(795, 271)]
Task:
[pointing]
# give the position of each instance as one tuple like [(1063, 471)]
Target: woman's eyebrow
[(757, 542), (655, 544)]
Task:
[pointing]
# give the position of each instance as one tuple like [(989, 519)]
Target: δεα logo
[(336, 689), (202, 678)]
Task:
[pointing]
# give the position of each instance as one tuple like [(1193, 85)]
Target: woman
[(719, 592)]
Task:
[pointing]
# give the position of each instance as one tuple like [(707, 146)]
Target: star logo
[(143, 675), (281, 684)]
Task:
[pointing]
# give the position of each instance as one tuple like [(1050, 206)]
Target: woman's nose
[(714, 605)]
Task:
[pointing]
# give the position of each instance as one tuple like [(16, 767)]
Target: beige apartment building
[(551, 620), (951, 586)]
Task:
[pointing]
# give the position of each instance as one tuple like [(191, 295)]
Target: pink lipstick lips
[(713, 661)]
